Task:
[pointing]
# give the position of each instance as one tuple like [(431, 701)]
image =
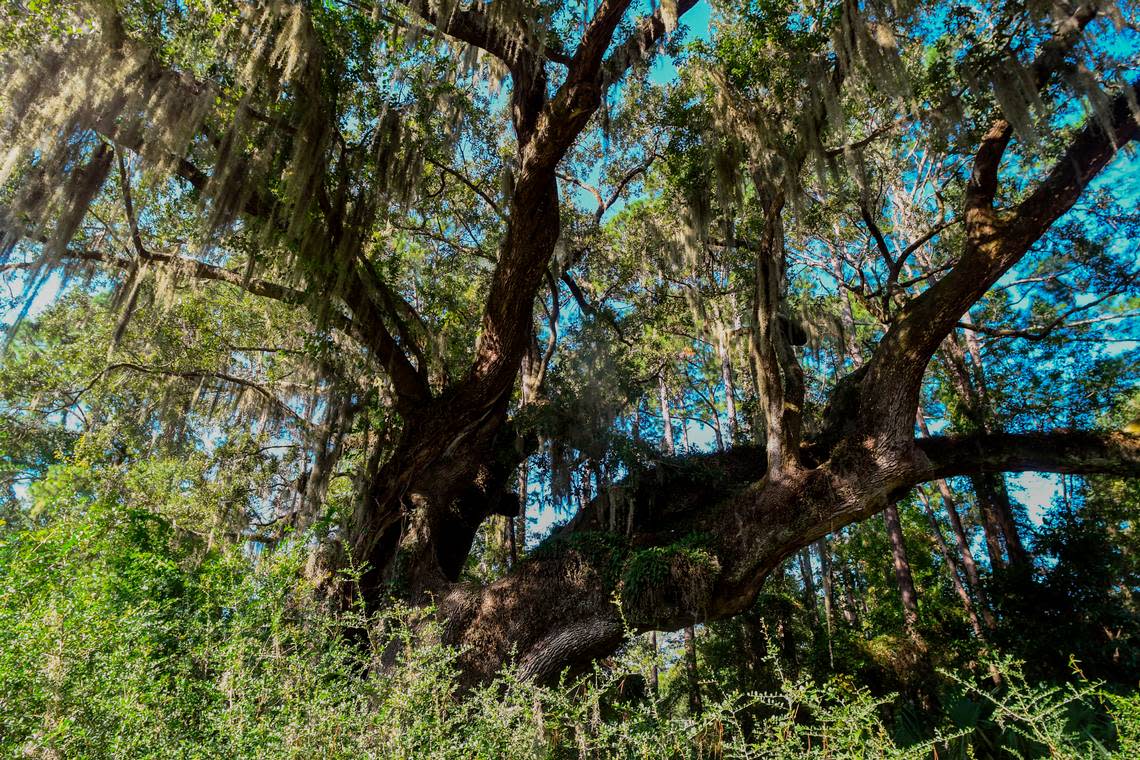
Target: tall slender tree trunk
[(827, 581), (907, 592), (651, 636), (966, 372), (851, 349), (954, 363), (987, 518), (969, 566), (808, 577), (584, 495), (654, 679), (973, 577), (850, 605), (952, 567), (693, 681), (956, 579), (726, 377), (718, 434), (846, 315), (995, 492), (666, 417)]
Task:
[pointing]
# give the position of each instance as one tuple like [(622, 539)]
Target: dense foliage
[(124, 635), (144, 612)]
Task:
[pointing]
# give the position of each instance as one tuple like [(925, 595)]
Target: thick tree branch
[(368, 325), (995, 243), (476, 26), (1087, 155), (1076, 452), (410, 384), (557, 607), (642, 42), (1066, 35), (563, 118), (538, 376)]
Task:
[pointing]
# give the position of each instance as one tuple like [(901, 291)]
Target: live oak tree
[(428, 188)]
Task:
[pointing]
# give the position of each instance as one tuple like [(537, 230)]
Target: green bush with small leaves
[(123, 635)]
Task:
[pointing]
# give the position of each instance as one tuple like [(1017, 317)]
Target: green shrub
[(123, 636)]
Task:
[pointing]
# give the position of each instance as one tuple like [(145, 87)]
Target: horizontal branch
[(476, 25), (565, 115), (1076, 452)]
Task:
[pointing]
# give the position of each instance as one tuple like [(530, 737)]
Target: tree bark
[(692, 676), (666, 417), (808, 578), (952, 568), (907, 593), (827, 580)]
